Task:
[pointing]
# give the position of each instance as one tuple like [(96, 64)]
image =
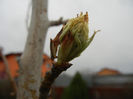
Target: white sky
[(112, 47)]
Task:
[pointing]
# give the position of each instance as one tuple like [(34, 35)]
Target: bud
[(73, 39)]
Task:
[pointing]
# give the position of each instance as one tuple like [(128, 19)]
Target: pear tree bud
[(73, 39)]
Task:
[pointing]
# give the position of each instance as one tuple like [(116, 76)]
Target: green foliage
[(77, 89)]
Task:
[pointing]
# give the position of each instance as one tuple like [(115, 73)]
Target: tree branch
[(28, 14), (13, 83), (58, 22), (50, 78), (32, 57)]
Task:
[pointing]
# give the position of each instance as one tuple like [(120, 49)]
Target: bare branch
[(28, 14), (58, 22), (50, 78), (13, 83)]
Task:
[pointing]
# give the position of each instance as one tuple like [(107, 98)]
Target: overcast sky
[(112, 47)]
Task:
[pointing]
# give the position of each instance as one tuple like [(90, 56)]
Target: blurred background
[(110, 53), (112, 47)]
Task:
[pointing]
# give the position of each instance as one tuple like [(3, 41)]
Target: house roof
[(117, 81), (113, 80), (13, 64), (108, 71)]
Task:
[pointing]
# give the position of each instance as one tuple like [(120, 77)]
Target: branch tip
[(58, 22)]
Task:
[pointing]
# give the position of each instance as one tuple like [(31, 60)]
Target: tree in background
[(77, 89)]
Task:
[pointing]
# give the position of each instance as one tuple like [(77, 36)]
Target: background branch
[(58, 22), (12, 81), (28, 15), (50, 78)]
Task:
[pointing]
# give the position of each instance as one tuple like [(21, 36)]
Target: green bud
[(73, 39)]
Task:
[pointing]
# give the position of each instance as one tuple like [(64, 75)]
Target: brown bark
[(50, 78)]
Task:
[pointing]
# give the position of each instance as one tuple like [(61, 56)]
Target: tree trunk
[(31, 59)]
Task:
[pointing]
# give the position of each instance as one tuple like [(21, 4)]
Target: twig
[(13, 83), (28, 14), (58, 22), (50, 78)]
